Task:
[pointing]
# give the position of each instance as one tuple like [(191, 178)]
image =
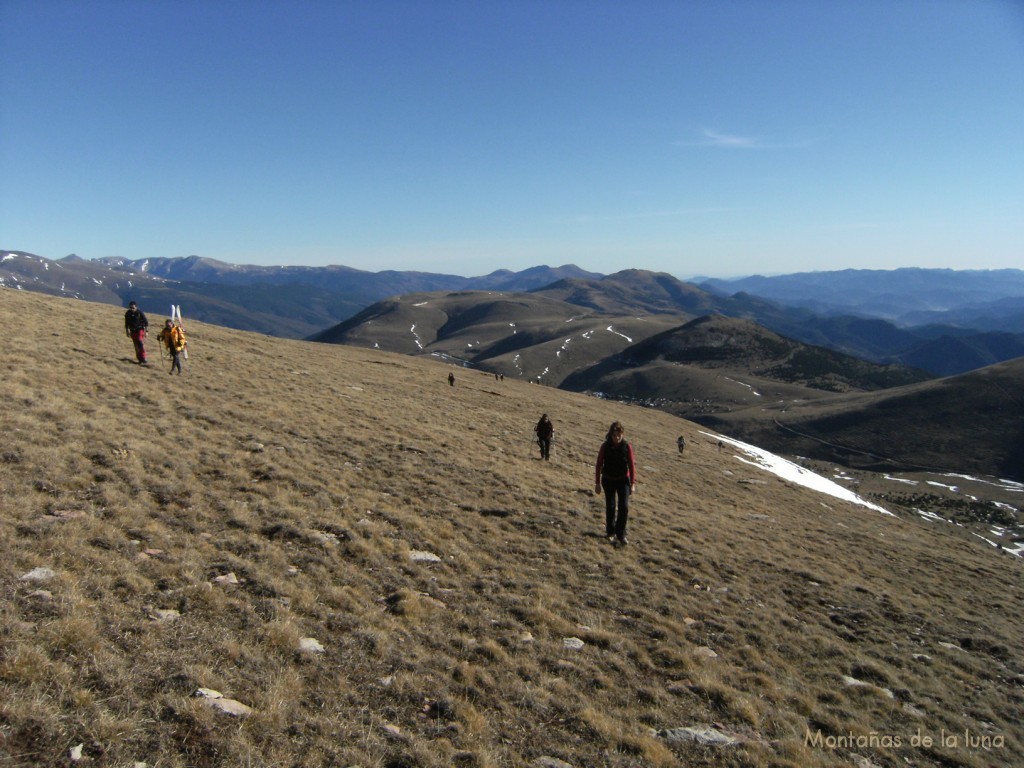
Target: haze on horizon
[(717, 139)]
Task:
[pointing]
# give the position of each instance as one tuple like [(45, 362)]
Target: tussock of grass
[(311, 474)]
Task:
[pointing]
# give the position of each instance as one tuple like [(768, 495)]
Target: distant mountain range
[(978, 299), (843, 387), (289, 302), (971, 318)]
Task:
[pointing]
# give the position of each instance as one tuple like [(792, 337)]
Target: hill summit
[(318, 555)]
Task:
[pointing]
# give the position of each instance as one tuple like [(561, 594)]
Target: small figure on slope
[(135, 327), (173, 337), (545, 433)]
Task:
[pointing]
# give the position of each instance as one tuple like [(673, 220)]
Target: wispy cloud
[(709, 137), (717, 139)]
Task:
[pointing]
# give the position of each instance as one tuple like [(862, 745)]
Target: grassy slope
[(521, 335), (971, 423), (312, 471)]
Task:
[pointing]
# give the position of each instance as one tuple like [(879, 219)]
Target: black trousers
[(615, 524), (545, 447)]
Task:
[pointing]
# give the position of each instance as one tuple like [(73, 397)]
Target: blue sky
[(695, 138)]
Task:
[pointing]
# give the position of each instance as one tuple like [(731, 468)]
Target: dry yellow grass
[(200, 528)]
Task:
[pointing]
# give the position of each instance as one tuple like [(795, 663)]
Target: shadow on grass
[(495, 513)]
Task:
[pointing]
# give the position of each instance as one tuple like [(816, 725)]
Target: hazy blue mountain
[(1005, 314), (898, 295)]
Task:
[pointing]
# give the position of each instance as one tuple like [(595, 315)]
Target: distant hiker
[(719, 446), (615, 472), (451, 379), (680, 443), (135, 327), (174, 338), (545, 432)]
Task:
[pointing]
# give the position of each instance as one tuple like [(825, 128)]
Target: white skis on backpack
[(176, 317)]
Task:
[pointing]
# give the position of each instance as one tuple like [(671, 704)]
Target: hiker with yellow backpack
[(173, 337)]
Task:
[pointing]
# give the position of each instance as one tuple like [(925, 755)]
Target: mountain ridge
[(268, 300)]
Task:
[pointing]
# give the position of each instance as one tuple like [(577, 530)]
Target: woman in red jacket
[(615, 473)]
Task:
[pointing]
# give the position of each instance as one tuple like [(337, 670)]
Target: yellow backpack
[(177, 339)]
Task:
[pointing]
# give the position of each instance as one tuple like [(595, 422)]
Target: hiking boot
[(623, 541)]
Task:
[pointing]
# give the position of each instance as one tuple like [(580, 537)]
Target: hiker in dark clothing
[(451, 379), (545, 432), (615, 473), (135, 327), (681, 443)]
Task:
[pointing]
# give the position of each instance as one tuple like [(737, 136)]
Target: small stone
[(310, 645), (420, 556), (231, 707), (75, 753), (572, 643), (228, 706), (702, 734), (550, 762), (326, 537), (226, 579), (39, 574), (164, 614), (705, 653), (853, 682)]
